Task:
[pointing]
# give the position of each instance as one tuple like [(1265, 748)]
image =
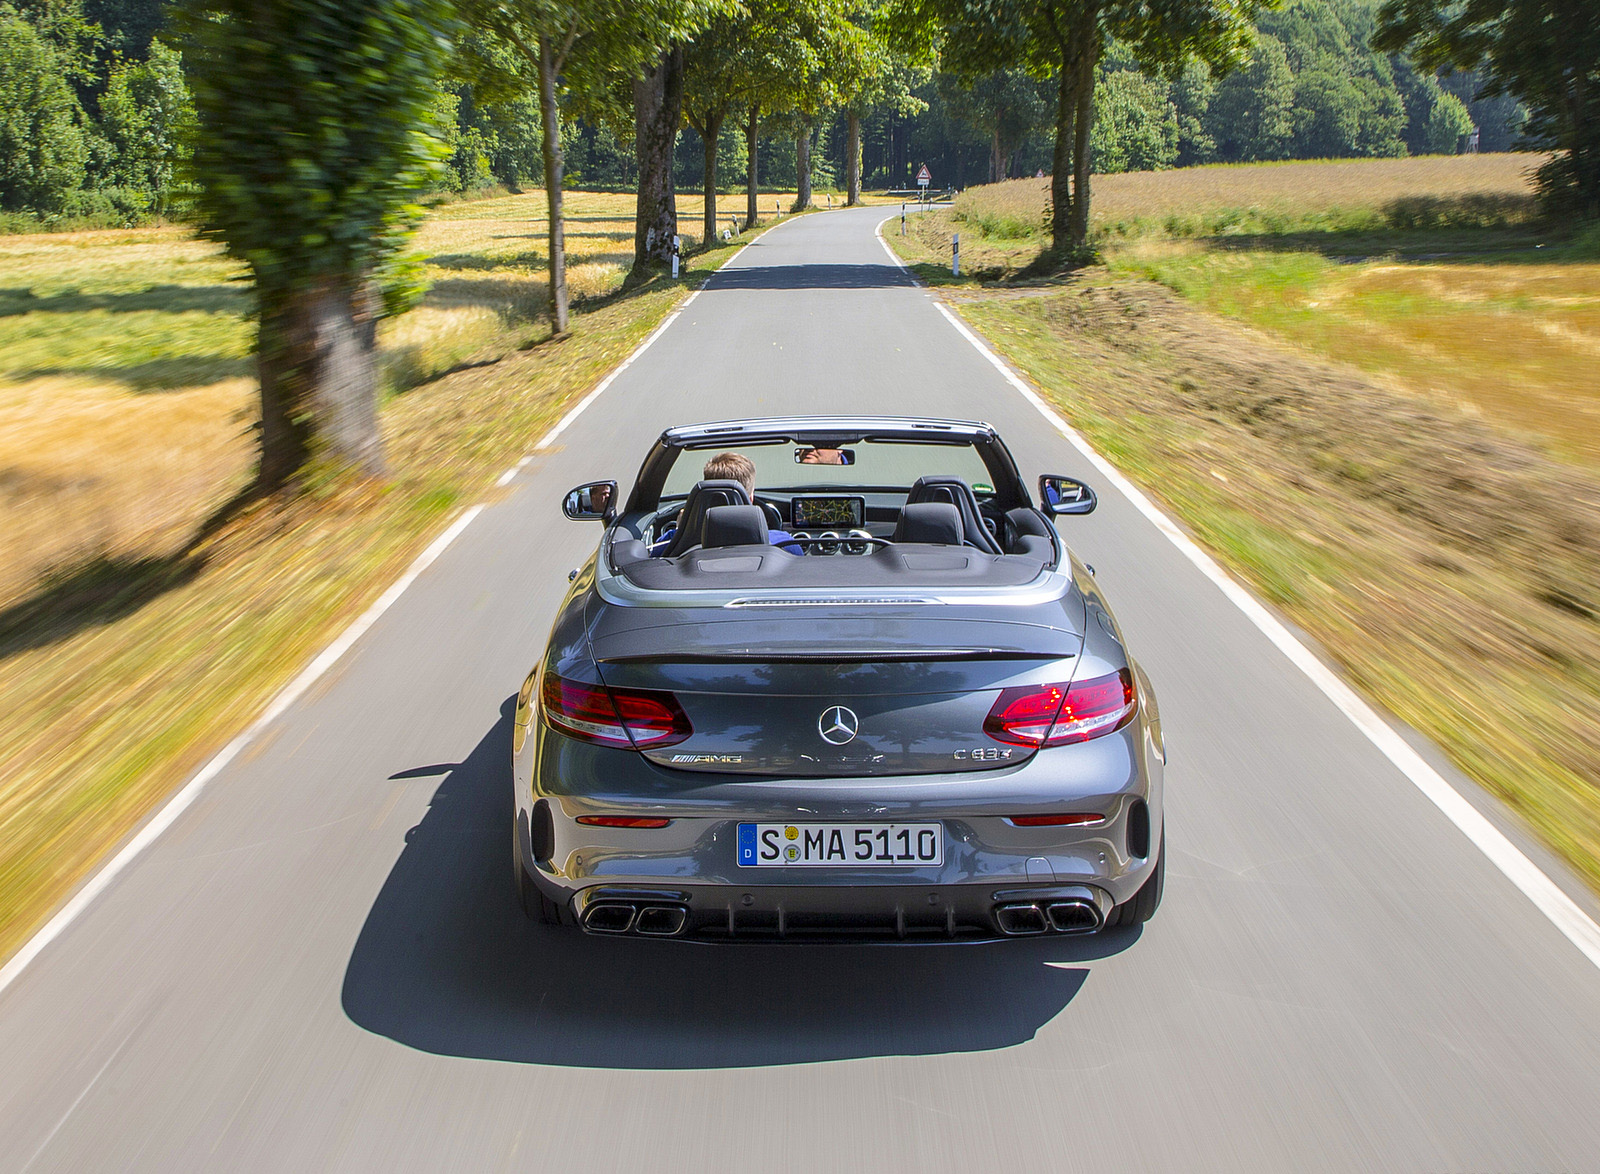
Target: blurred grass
[(143, 333), (125, 667), (1435, 273), (1452, 572)]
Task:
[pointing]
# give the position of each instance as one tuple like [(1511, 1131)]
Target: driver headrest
[(929, 521), (703, 495), (734, 525)]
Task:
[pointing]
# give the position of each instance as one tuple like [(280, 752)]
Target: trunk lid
[(847, 697)]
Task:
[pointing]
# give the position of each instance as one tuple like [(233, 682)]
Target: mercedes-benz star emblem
[(838, 725)]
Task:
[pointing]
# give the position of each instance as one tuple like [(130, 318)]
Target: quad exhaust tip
[(1072, 910), (621, 917)]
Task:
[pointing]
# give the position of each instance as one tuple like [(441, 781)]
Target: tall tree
[(1006, 107), (314, 139), (871, 75), (578, 49), (745, 62), (657, 110), (1065, 39), (1544, 52)]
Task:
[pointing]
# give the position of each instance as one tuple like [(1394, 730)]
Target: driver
[(732, 466)]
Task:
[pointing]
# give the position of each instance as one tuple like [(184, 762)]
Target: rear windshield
[(876, 464)]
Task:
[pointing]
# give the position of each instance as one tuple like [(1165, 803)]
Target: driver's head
[(730, 466)]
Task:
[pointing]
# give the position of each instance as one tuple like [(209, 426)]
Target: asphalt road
[(322, 966)]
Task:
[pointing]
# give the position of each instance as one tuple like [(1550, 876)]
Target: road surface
[(321, 965)]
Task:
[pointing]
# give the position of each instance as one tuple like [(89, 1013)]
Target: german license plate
[(847, 845)]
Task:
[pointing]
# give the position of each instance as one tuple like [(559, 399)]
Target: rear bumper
[(711, 913), (689, 869)]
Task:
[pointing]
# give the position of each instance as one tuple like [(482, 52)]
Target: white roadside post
[(902, 218), (674, 257), (955, 254)]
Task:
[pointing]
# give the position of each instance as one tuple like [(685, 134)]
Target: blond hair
[(732, 466)]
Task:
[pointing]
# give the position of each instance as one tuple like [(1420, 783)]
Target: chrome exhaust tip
[(608, 917), (1016, 920), (1073, 916), (663, 921)]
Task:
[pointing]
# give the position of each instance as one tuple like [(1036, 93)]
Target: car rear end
[(917, 772)]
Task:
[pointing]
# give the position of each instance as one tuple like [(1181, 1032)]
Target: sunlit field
[(127, 384), (1234, 198), (1436, 273)]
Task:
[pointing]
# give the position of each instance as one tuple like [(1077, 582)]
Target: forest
[(99, 120)]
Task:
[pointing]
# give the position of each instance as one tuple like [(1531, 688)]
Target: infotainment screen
[(827, 513)]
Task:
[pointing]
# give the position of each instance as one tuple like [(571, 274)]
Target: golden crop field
[(1434, 272), (1266, 196), (127, 384)]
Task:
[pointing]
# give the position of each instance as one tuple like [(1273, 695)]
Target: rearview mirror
[(806, 455), (594, 502), (1065, 495)]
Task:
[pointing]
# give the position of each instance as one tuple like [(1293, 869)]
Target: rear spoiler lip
[(829, 656)]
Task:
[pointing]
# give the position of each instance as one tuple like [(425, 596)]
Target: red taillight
[(608, 717), (621, 821), (1077, 819), (1054, 715)]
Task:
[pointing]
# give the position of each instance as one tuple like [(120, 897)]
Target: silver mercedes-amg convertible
[(835, 676)]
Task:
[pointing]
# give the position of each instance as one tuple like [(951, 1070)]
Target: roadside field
[(1397, 453), (1461, 296), (122, 673), (127, 382)]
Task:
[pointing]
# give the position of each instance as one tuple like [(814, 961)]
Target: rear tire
[(535, 905), (1142, 906)]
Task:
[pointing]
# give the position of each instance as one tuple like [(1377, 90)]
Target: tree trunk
[(319, 391), (710, 132), (853, 162), (657, 107), (1082, 152), (550, 116), (1061, 164), (997, 160), (802, 167), (752, 213)]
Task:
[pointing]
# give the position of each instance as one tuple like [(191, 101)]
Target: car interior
[(940, 531)]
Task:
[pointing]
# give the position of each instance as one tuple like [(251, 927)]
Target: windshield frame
[(828, 432)]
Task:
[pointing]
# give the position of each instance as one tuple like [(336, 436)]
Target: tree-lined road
[(322, 965)]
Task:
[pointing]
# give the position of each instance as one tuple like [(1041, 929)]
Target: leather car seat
[(957, 493)]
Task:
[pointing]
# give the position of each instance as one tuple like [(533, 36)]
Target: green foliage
[(316, 132), (1252, 115), (147, 120), (43, 149), (1447, 127), (1135, 123), (1546, 53)]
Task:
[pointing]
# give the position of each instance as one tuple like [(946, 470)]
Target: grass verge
[(1448, 568), (122, 675)]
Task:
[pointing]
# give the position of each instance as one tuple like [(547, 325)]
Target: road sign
[(924, 176)]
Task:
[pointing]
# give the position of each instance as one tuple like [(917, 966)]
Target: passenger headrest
[(929, 521), (959, 494), (734, 525)]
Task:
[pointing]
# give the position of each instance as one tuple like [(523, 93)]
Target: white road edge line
[(1546, 895), (168, 814)]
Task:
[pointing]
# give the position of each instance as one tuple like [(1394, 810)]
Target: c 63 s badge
[(983, 754)]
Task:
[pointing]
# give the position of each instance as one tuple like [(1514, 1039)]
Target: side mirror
[(1065, 495), (594, 502)]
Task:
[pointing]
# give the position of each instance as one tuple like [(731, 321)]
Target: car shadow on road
[(811, 277), (448, 964)]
